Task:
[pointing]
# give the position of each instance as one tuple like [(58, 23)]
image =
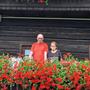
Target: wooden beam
[(46, 18)]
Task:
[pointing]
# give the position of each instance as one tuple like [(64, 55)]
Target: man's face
[(40, 39)]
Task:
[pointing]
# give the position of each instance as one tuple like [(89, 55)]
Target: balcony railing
[(49, 2), (44, 3)]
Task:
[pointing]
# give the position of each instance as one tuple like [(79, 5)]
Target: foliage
[(68, 74)]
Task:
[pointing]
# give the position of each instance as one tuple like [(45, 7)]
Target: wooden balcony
[(45, 4)]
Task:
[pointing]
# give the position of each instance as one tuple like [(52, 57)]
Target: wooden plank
[(74, 48), (47, 23), (69, 42), (31, 39), (53, 34)]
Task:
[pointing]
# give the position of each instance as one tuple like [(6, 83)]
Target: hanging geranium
[(43, 2)]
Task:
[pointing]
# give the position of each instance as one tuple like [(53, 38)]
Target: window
[(25, 49)]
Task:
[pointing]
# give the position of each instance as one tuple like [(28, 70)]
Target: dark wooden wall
[(71, 36)]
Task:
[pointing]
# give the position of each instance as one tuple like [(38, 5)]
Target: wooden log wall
[(71, 36)]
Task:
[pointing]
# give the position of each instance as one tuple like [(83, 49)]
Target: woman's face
[(53, 46)]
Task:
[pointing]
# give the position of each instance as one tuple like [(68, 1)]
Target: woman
[(54, 54)]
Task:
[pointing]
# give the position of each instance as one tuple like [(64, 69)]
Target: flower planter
[(60, 75), (17, 87)]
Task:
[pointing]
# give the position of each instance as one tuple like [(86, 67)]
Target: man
[(39, 50)]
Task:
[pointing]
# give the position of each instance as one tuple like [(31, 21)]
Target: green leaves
[(46, 2)]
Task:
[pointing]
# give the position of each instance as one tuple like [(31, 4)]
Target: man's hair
[(40, 36)]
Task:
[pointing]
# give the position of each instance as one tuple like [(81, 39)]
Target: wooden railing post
[(89, 51)]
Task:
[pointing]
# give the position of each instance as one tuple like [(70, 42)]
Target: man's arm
[(45, 53), (31, 52), (31, 55)]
